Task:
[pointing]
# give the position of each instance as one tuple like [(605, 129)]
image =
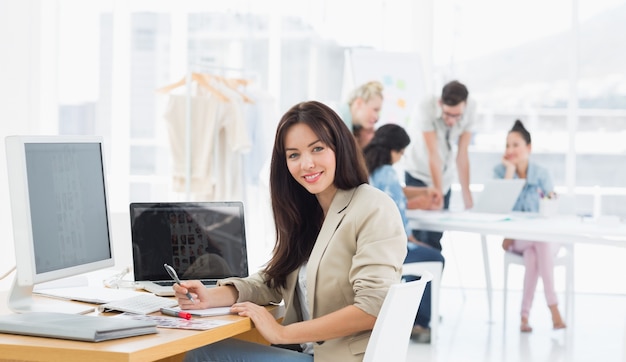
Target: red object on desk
[(176, 313)]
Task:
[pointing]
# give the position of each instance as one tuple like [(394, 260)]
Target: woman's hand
[(436, 197), (263, 320), (507, 163), (509, 167), (198, 292), (422, 198)]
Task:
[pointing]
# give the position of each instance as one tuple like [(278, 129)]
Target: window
[(518, 62)]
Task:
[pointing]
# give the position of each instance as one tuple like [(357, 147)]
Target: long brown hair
[(297, 213)]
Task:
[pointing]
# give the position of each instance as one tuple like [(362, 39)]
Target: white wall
[(19, 94), (28, 64)]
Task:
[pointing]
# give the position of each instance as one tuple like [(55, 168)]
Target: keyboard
[(145, 303), (169, 283), (96, 295)]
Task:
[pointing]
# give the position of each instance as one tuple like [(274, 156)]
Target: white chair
[(392, 330), (435, 268), (564, 258)]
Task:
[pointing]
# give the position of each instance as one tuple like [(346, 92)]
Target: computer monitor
[(60, 215)]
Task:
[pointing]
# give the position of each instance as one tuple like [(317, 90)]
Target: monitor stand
[(21, 301)]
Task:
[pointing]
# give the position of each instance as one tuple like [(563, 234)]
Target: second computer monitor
[(59, 206)]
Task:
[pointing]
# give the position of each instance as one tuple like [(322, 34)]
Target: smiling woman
[(311, 162), (332, 263)]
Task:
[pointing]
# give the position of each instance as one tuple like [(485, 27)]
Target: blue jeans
[(432, 238), (235, 350), (418, 253)]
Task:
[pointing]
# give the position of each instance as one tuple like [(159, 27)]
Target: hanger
[(235, 83), (202, 80)]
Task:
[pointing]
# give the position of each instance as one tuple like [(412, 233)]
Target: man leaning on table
[(445, 126)]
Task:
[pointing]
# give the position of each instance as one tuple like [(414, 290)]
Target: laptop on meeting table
[(496, 201), (203, 241)]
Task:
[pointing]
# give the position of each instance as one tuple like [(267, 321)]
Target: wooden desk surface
[(166, 345)]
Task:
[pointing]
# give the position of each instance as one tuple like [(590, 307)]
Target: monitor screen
[(59, 209)]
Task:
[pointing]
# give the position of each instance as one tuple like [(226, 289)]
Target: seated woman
[(332, 264), (385, 149), (538, 256)]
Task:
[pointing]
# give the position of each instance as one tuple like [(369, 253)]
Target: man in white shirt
[(445, 124)]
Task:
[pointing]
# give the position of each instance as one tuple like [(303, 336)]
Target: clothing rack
[(188, 125), (188, 130)]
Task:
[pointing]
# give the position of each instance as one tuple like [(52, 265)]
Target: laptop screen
[(204, 240), (499, 196)]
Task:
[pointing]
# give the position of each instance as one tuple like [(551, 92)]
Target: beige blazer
[(358, 254)]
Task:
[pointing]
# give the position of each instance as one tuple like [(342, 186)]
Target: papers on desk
[(74, 326), (179, 323)]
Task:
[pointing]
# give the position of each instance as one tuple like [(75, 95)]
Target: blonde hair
[(366, 91)]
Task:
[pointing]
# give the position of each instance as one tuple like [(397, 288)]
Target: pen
[(176, 313), (174, 276)]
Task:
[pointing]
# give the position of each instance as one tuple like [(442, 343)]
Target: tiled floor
[(596, 330)]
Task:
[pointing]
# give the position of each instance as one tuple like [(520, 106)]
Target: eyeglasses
[(448, 115)]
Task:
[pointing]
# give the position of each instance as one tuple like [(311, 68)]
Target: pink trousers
[(539, 262)]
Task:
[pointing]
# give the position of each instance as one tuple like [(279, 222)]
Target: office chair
[(435, 268), (565, 259), (392, 330)]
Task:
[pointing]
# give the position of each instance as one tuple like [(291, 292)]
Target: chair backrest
[(392, 330), (419, 267)]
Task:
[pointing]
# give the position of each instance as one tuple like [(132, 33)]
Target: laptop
[(499, 196), (203, 241)]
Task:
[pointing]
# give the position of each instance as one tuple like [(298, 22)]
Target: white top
[(306, 314)]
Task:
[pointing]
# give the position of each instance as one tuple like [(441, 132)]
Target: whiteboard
[(401, 75)]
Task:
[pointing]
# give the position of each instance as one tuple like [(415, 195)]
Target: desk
[(525, 226), (166, 345)]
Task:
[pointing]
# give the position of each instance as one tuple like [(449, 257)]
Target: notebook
[(499, 196), (204, 241), (210, 312)]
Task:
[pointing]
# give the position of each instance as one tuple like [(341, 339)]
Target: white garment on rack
[(217, 133), (261, 119), (230, 183)]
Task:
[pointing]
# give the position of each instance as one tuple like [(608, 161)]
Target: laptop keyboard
[(165, 284), (169, 283)]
